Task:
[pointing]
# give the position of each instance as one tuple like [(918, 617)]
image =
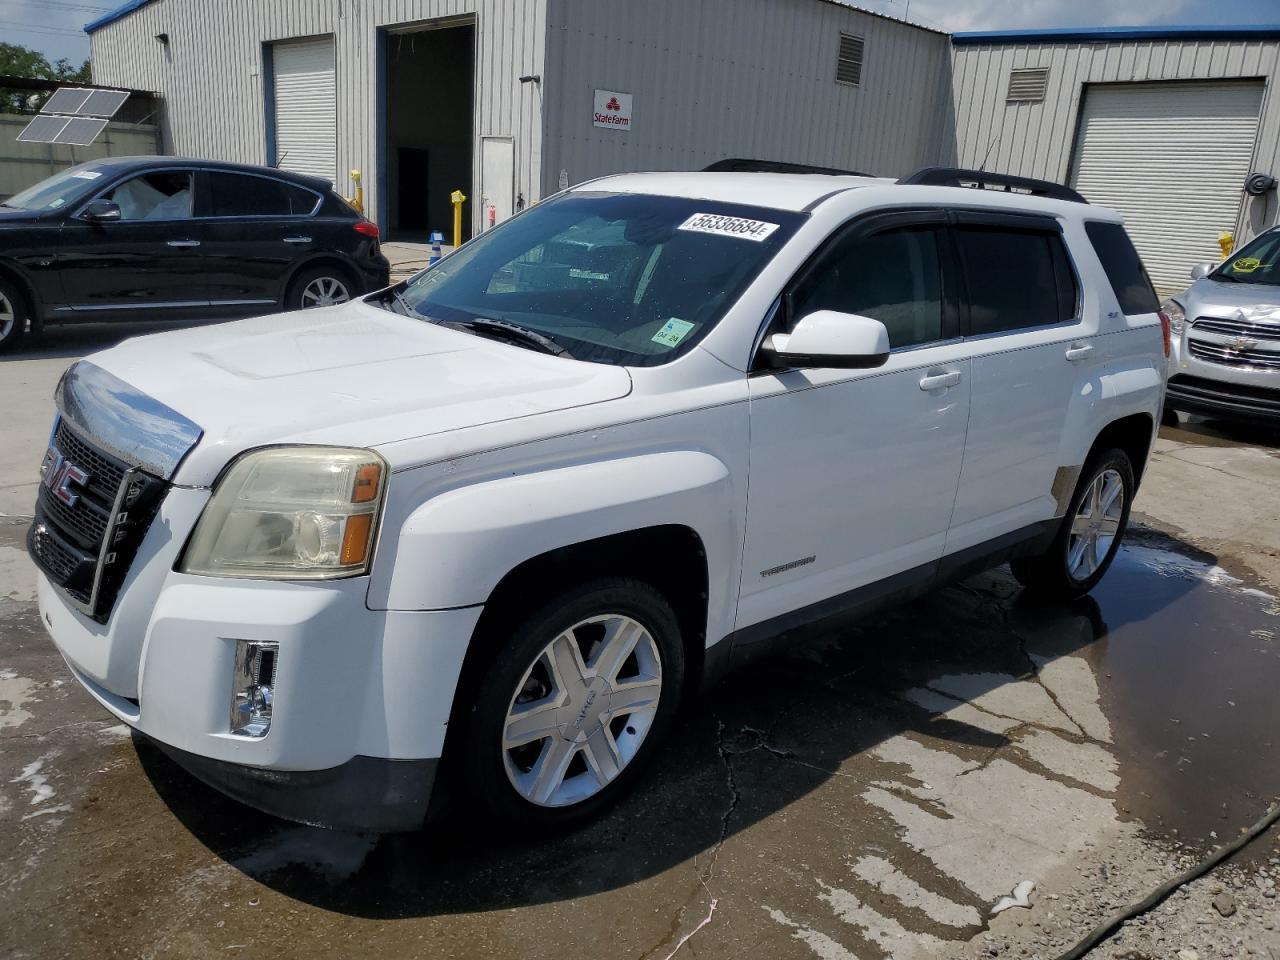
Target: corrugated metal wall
[(210, 72), (741, 78), (22, 163), (1036, 139)]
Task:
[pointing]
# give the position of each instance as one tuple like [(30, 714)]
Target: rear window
[(242, 195), (1016, 279), (1124, 267)]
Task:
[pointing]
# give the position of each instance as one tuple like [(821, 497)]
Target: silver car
[(1226, 336)]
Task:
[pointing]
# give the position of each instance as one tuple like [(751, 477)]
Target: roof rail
[(981, 180), (745, 165)]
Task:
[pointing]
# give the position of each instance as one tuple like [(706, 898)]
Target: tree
[(20, 61)]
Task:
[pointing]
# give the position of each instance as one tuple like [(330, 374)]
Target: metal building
[(1163, 124), (508, 99)]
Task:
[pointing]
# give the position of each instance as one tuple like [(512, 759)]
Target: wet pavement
[(873, 792)]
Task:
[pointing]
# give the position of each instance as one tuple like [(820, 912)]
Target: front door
[(146, 265), (853, 473)]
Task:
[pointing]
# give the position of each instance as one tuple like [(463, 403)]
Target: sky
[(55, 27)]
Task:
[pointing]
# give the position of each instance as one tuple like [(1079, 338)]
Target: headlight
[(1177, 316), (291, 513)]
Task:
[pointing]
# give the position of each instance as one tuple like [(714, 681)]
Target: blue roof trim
[(1120, 34), (118, 13)]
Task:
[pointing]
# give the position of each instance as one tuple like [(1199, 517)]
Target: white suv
[(486, 530)]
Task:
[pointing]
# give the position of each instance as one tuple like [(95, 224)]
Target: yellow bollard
[(457, 199), (358, 200), (1227, 242)]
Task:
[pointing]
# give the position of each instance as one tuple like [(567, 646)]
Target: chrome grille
[(1228, 356), (1237, 328), (105, 472)]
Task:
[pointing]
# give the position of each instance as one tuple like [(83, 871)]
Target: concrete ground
[(872, 794)]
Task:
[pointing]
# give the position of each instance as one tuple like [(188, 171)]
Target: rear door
[(255, 229), (145, 265), (853, 472), (1032, 348)]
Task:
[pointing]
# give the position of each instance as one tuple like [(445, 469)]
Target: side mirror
[(1201, 270), (101, 211), (827, 338)]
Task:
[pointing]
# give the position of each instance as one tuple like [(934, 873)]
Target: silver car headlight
[(291, 513), (1177, 316)]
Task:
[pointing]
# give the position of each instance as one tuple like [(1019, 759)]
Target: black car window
[(242, 195), (161, 195), (1015, 278), (893, 276), (1123, 267)]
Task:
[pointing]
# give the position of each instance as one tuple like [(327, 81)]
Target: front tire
[(574, 704), (1090, 534), (13, 315)]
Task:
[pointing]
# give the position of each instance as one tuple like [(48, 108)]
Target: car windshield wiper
[(398, 299), (507, 330)]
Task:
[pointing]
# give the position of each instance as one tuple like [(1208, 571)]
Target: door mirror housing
[(101, 211), (828, 338), (1201, 270)]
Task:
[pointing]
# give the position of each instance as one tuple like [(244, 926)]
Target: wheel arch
[(26, 289), (1133, 434), (326, 258)]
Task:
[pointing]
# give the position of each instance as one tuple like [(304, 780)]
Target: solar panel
[(81, 131), (66, 100), (103, 103), (43, 129)]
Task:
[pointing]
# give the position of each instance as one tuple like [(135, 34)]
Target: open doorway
[(428, 127)]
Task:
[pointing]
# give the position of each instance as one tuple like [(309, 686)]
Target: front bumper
[(1221, 398), (365, 793)]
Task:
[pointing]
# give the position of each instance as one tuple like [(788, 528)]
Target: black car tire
[(319, 279), (1050, 573), (13, 314), (484, 757)]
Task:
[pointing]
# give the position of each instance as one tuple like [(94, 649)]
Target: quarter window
[(240, 195), (163, 195), (893, 276), (1016, 279), (1123, 267)]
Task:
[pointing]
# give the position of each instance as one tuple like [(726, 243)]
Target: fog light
[(252, 687)]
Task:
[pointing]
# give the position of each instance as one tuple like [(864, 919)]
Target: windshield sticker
[(87, 174), (741, 227), (55, 204), (672, 332), (1247, 265)]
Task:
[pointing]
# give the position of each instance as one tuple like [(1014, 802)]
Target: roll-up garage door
[(305, 106), (1173, 159)]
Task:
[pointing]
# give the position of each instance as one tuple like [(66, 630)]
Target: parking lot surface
[(872, 794)]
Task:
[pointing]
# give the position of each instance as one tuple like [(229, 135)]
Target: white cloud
[(955, 15)]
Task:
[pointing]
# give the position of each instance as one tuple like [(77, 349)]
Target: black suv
[(136, 238)]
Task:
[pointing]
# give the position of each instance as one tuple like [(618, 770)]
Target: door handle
[(1079, 350), (297, 239), (183, 243), (939, 381)]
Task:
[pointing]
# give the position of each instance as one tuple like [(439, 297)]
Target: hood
[(12, 215), (1257, 301), (352, 375)]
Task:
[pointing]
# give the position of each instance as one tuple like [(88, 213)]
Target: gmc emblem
[(58, 474)]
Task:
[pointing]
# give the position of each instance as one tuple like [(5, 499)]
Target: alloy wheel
[(324, 292), (8, 317), (582, 710), (1096, 524)]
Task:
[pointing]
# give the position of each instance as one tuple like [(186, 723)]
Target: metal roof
[(118, 13), (1121, 34)]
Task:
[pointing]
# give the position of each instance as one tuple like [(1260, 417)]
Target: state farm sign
[(612, 110)]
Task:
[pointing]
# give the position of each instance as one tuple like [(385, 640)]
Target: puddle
[(1222, 433), (1187, 659)]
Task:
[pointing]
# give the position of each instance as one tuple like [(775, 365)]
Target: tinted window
[(237, 195), (165, 195), (1015, 279), (893, 276), (1124, 267)]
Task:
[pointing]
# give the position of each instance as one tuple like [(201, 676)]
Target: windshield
[(1259, 262), (612, 278), (57, 191)]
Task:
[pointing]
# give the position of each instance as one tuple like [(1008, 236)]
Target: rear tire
[(1090, 534), (320, 286), (13, 315), (555, 736), (1169, 417)]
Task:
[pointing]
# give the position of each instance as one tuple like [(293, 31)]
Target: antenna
[(992, 146), (74, 115)]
